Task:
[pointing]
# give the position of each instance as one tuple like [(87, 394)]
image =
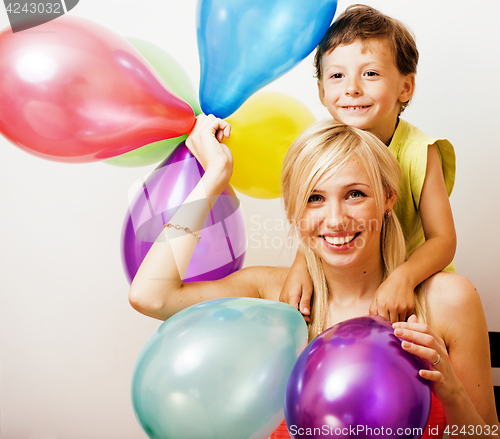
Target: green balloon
[(218, 370), (177, 80), (169, 70)]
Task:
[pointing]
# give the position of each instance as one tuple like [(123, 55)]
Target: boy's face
[(362, 87)]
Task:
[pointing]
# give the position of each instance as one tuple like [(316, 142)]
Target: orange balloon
[(263, 129)]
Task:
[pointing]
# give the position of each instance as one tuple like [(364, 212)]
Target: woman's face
[(341, 222)]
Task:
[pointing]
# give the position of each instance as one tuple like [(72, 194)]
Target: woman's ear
[(390, 200)]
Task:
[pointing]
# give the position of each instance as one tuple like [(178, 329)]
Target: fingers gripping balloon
[(245, 44), (76, 92)]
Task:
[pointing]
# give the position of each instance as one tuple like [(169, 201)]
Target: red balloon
[(73, 91)]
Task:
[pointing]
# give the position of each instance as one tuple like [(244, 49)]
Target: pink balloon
[(73, 91)]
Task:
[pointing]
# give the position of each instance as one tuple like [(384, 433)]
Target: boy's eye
[(314, 198), (371, 73), (336, 75)]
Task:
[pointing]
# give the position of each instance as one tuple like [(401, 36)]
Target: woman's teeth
[(339, 240)]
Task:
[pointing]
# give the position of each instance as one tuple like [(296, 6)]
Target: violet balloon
[(222, 248), (357, 375), (74, 91)]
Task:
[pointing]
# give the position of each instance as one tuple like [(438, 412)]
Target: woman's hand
[(205, 143), (422, 341)]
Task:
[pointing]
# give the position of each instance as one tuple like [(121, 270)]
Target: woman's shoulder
[(268, 280), (448, 287), (450, 298)]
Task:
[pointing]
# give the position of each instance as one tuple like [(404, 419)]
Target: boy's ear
[(408, 88), (321, 93)]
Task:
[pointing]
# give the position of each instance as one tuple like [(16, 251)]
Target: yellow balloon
[(262, 130)]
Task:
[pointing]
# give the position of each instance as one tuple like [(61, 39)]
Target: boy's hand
[(394, 300), (297, 290)]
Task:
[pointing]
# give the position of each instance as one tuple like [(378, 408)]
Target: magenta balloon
[(356, 375), (74, 91), (222, 248)]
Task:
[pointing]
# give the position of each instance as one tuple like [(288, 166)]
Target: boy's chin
[(353, 121)]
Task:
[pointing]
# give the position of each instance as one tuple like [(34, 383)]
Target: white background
[(68, 337)]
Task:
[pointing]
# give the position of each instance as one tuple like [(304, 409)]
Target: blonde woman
[(339, 187)]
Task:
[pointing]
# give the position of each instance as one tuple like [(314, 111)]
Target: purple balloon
[(222, 248), (356, 377)]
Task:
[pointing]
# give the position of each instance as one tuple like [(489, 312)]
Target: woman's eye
[(356, 194), (314, 198)]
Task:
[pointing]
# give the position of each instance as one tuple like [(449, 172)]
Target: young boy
[(366, 66)]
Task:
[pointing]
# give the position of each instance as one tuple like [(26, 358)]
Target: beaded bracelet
[(186, 229)]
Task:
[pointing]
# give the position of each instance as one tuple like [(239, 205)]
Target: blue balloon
[(245, 44), (218, 370)]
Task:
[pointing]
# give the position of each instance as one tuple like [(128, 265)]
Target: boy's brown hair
[(361, 22)]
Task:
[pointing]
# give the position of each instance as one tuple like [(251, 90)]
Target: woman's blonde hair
[(324, 148)]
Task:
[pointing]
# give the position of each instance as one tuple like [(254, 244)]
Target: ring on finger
[(437, 361)]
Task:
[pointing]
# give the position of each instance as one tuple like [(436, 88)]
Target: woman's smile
[(340, 242)]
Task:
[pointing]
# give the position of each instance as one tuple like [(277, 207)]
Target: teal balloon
[(176, 79), (218, 370), (245, 44)]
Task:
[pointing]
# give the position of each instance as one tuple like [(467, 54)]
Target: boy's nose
[(352, 88)]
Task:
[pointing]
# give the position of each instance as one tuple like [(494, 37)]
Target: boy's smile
[(362, 87)]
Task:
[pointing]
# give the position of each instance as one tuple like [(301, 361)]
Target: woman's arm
[(158, 289), (462, 378)]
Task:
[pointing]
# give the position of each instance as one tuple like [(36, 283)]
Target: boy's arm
[(394, 299), (297, 289), (437, 221)]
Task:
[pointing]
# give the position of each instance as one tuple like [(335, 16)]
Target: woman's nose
[(336, 217)]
